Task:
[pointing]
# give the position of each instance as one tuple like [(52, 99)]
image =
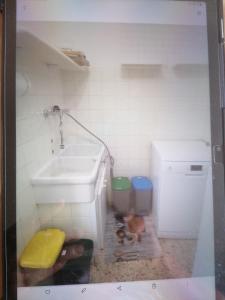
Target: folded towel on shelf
[(76, 56)]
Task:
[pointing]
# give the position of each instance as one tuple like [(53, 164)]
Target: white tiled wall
[(165, 97), (131, 106), (34, 135), (119, 43), (77, 220)]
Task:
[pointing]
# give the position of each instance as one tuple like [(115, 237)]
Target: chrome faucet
[(56, 109), (53, 111), (61, 130)]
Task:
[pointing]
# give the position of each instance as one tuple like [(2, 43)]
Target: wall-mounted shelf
[(141, 66), (197, 70), (158, 65), (45, 52), (191, 65)]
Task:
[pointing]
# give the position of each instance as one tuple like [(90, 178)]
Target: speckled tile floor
[(176, 262)]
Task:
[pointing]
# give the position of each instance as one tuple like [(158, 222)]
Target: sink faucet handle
[(51, 111), (56, 108)]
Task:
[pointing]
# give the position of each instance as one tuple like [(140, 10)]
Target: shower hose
[(111, 159)]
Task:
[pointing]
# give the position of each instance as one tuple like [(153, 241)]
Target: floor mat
[(147, 248)]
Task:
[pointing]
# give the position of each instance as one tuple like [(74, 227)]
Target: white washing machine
[(179, 174)]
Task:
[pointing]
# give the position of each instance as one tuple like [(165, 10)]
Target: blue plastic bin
[(142, 195)]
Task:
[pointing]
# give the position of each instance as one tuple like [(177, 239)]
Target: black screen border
[(9, 151)]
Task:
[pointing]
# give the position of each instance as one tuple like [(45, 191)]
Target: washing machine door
[(182, 189)]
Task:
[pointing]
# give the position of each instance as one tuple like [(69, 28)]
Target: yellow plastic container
[(43, 249)]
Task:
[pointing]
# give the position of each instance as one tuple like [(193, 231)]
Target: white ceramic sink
[(86, 150), (68, 170), (70, 176)]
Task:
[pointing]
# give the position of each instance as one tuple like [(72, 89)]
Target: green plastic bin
[(121, 194)]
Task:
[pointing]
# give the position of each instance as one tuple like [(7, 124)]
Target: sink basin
[(70, 176), (86, 150), (68, 170)]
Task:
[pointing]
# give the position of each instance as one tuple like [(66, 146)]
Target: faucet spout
[(56, 110), (62, 146)]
